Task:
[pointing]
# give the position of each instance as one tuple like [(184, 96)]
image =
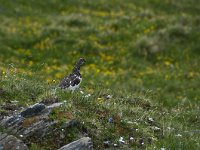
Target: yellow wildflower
[(106, 57), (108, 72), (49, 80), (191, 74), (100, 100), (97, 70), (149, 70), (147, 31), (58, 75), (30, 63), (167, 63)]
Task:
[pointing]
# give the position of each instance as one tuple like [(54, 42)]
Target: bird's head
[(80, 62)]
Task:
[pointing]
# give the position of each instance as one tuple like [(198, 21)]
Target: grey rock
[(84, 143), (38, 129), (2, 136), (106, 143), (33, 125), (54, 105), (71, 123), (1, 147), (33, 121), (10, 121), (9, 142), (33, 110)]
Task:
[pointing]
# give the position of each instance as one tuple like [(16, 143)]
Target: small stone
[(84, 143), (11, 142), (130, 122), (62, 136), (71, 123), (54, 105), (106, 143)]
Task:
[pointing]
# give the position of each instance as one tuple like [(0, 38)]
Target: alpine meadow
[(140, 84)]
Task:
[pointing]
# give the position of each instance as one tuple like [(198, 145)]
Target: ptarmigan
[(73, 80)]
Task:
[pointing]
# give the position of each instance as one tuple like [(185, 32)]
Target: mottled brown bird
[(73, 80)]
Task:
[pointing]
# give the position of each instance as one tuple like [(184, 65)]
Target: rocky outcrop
[(34, 125), (84, 143), (30, 121), (9, 142)]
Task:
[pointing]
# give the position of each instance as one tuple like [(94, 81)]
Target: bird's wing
[(75, 80), (70, 80), (65, 83)]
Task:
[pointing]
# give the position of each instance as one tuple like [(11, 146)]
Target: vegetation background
[(144, 54)]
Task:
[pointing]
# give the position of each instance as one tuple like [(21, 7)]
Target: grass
[(143, 53)]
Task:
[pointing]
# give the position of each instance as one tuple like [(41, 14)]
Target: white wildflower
[(178, 135), (131, 138), (88, 95), (151, 119), (121, 140)]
